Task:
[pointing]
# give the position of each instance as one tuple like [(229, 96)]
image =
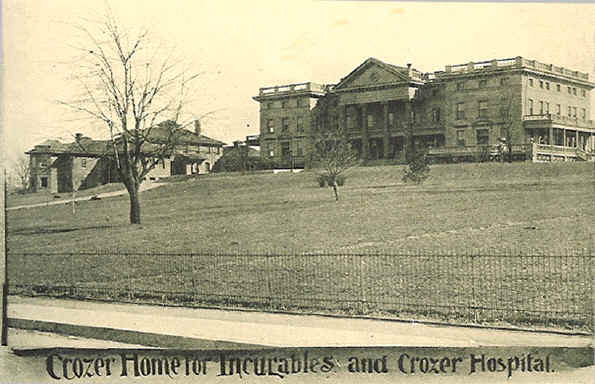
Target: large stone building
[(542, 110), (85, 163)]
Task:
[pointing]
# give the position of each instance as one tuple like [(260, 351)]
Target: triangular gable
[(372, 72)]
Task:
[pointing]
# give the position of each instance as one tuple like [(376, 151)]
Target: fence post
[(361, 285), (269, 297), (473, 297), (193, 271)]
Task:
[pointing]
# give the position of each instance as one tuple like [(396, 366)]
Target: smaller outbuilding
[(85, 163)]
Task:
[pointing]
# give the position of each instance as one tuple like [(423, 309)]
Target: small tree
[(334, 155), (506, 114), (418, 169)]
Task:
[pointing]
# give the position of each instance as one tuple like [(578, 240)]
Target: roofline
[(366, 62)]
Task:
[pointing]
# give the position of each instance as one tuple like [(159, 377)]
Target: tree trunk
[(335, 190), (134, 204)]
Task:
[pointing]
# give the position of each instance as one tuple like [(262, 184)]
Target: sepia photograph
[(313, 191)]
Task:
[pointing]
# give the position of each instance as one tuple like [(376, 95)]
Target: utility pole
[(3, 263)]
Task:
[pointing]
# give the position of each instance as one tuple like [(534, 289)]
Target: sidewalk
[(178, 327), (143, 187)]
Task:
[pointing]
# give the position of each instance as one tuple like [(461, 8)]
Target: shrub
[(321, 180), (418, 170), (484, 154)]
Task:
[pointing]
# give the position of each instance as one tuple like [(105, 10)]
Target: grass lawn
[(432, 232), (462, 206)]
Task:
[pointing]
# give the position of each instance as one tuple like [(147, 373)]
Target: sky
[(240, 46)]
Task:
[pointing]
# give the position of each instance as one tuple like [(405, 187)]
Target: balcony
[(532, 152), (549, 118), (512, 63), (545, 152), (280, 90)]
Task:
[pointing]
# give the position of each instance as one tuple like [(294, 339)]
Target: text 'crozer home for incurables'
[(541, 111)]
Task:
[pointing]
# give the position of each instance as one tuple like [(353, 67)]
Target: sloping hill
[(462, 206)]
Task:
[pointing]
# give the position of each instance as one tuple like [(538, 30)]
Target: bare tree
[(23, 172), (332, 152), (507, 116), (128, 86), (333, 155)]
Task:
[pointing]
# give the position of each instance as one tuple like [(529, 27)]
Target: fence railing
[(535, 290)]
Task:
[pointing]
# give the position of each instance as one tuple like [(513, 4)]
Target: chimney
[(409, 69), (197, 126), (78, 137), (236, 144)]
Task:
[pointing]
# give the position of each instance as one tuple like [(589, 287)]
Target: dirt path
[(144, 187)]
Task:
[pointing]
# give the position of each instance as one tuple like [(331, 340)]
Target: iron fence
[(536, 290)]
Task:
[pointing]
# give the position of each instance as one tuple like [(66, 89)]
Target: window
[(371, 121), (558, 88), (413, 116), (541, 107), (584, 113), (483, 136), (460, 86), (300, 124), (569, 111), (530, 107), (483, 83), (558, 109), (547, 108), (436, 114), (540, 83), (574, 91), (284, 124), (504, 107), (574, 112), (83, 163), (350, 124), (44, 182), (163, 163), (530, 82), (460, 138), (583, 93), (483, 109), (569, 90), (547, 85), (391, 119), (460, 111), (299, 150), (284, 104), (270, 127), (504, 81)]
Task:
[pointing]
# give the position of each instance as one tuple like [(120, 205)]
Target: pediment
[(372, 72)]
